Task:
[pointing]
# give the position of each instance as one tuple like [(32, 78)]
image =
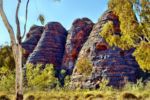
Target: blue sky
[(64, 12)]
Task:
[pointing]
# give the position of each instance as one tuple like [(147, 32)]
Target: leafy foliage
[(142, 55), (6, 57), (39, 78), (103, 84), (41, 18), (7, 65), (139, 86), (139, 90), (134, 33), (84, 66), (108, 33), (128, 22), (67, 81), (7, 79)]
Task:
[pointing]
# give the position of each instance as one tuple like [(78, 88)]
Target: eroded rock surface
[(79, 33), (32, 38), (110, 62), (51, 46)]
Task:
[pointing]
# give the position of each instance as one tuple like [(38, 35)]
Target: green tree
[(39, 78), (16, 45), (7, 79), (6, 57), (134, 20)]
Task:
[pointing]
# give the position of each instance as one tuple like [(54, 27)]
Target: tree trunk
[(17, 53), (19, 76)]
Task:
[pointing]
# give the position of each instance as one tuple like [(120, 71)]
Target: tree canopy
[(134, 17)]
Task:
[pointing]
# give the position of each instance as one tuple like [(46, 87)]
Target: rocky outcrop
[(110, 62), (78, 35), (51, 46), (48, 45), (31, 40)]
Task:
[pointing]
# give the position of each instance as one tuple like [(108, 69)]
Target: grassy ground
[(110, 94), (130, 91)]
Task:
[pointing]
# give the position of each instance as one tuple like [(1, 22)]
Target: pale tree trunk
[(19, 76), (17, 53)]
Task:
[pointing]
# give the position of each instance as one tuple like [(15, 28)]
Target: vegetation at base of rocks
[(36, 78), (7, 79), (67, 81), (134, 21), (103, 85), (7, 69), (6, 57), (84, 66), (41, 78), (140, 90), (131, 91)]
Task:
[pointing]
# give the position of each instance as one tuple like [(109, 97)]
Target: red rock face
[(83, 40), (101, 46), (79, 32), (32, 39), (51, 46), (110, 62)]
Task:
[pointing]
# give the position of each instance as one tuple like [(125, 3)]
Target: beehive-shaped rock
[(32, 39), (111, 62), (51, 46), (79, 33)]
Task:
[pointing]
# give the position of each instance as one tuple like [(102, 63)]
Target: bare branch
[(26, 18), (9, 29), (18, 23), (7, 24)]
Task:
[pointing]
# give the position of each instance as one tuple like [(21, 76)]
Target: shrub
[(103, 84), (39, 78), (84, 66), (148, 84), (6, 57), (63, 72), (67, 81), (4, 97), (7, 79), (134, 87)]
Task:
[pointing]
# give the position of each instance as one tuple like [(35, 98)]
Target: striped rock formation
[(31, 40), (111, 62), (79, 33), (51, 46)]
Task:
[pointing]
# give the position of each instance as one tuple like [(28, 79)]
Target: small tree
[(134, 33), (39, 78), (16, 45)]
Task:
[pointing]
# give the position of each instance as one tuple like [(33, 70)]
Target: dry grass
[(81, 95), (130, 92)]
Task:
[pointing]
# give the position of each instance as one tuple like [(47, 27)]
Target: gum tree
[(134, 17), (16, 45)]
